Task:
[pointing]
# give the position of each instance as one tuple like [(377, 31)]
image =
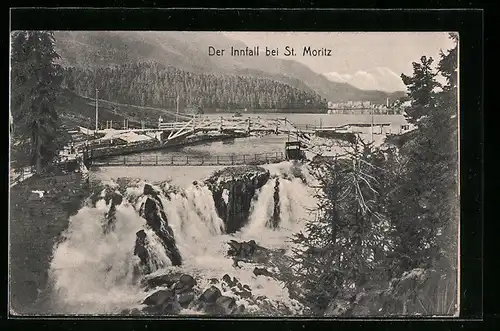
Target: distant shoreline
[(364, 111)]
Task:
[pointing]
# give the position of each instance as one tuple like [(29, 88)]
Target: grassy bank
[(35, 226)]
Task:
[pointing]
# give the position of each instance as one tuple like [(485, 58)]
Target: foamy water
[(92, 272)]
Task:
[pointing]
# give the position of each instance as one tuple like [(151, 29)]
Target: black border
[(469, 24)]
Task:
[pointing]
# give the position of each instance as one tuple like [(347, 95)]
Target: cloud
[(379, 78)]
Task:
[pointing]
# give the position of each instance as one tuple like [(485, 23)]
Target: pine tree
[(35, 84), (420, 88), (344, 248), (424, 202)]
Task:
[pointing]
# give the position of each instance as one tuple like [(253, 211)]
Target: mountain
[(380, 78), (189, 51)]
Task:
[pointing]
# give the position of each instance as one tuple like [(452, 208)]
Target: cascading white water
[(93, 272)]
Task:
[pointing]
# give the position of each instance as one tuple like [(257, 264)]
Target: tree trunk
[(38, 152)]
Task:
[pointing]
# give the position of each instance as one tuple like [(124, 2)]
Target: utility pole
[(372, 123), (96, 111), (177, 113)]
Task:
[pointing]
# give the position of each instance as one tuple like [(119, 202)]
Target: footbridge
[(197, 124), (112, 142)]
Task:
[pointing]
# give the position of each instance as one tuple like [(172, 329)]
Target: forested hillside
[(151, 84), (188, 51)]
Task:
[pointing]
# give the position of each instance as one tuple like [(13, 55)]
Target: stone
[(185, 284), (135, 311), (149, 190), (227, 304), (164, 280), (261, 272), (156, 219), (214, 281), (239, 310), (185, 299), (187, 280), (240, 184), (141, 251), (210, 295), (248, 251), (231, 282), (243, 294), (172, 308), (159, 298), (152, 310)]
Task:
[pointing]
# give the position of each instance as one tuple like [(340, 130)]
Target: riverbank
[(154, 145), (36, 223)]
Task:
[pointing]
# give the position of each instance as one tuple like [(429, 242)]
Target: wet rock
[(135, 311), (164, 280), (248, 251), (240, 185), (153, 211), (159, 298), (149, 190), (245, 294), (141, 251), (152, 310), (172, 308), (187, 280), (132, 312), (274, 222), (231, 282), (185, 299), (262, 272), (114, 199), (227, 305), (185, 284), (239, 310), (210, 295)]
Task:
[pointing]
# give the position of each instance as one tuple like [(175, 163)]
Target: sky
[(364, 59)]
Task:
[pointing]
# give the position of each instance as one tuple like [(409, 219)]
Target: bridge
[(207, 124), (166, 132), (130, 141), (193, 160)]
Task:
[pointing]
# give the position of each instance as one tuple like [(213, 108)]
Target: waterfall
[(99, 271)]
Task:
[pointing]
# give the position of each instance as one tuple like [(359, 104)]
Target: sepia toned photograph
[(242, 174)]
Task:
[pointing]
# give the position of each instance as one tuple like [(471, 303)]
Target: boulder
[(172, 308), (166, 280), (239, 310), (274, 222), (262, 272), (185, 299), (214, 281), (152, 210), (240, 185), (231, 282), (141, 251), (210, 295), (114, 199), (149, 190), (185, 284), (159, 298), (248, 251), (226, 304)]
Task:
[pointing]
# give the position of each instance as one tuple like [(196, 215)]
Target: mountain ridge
[(189, 51)]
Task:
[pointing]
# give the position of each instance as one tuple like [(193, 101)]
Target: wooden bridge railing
[(190, 160)]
